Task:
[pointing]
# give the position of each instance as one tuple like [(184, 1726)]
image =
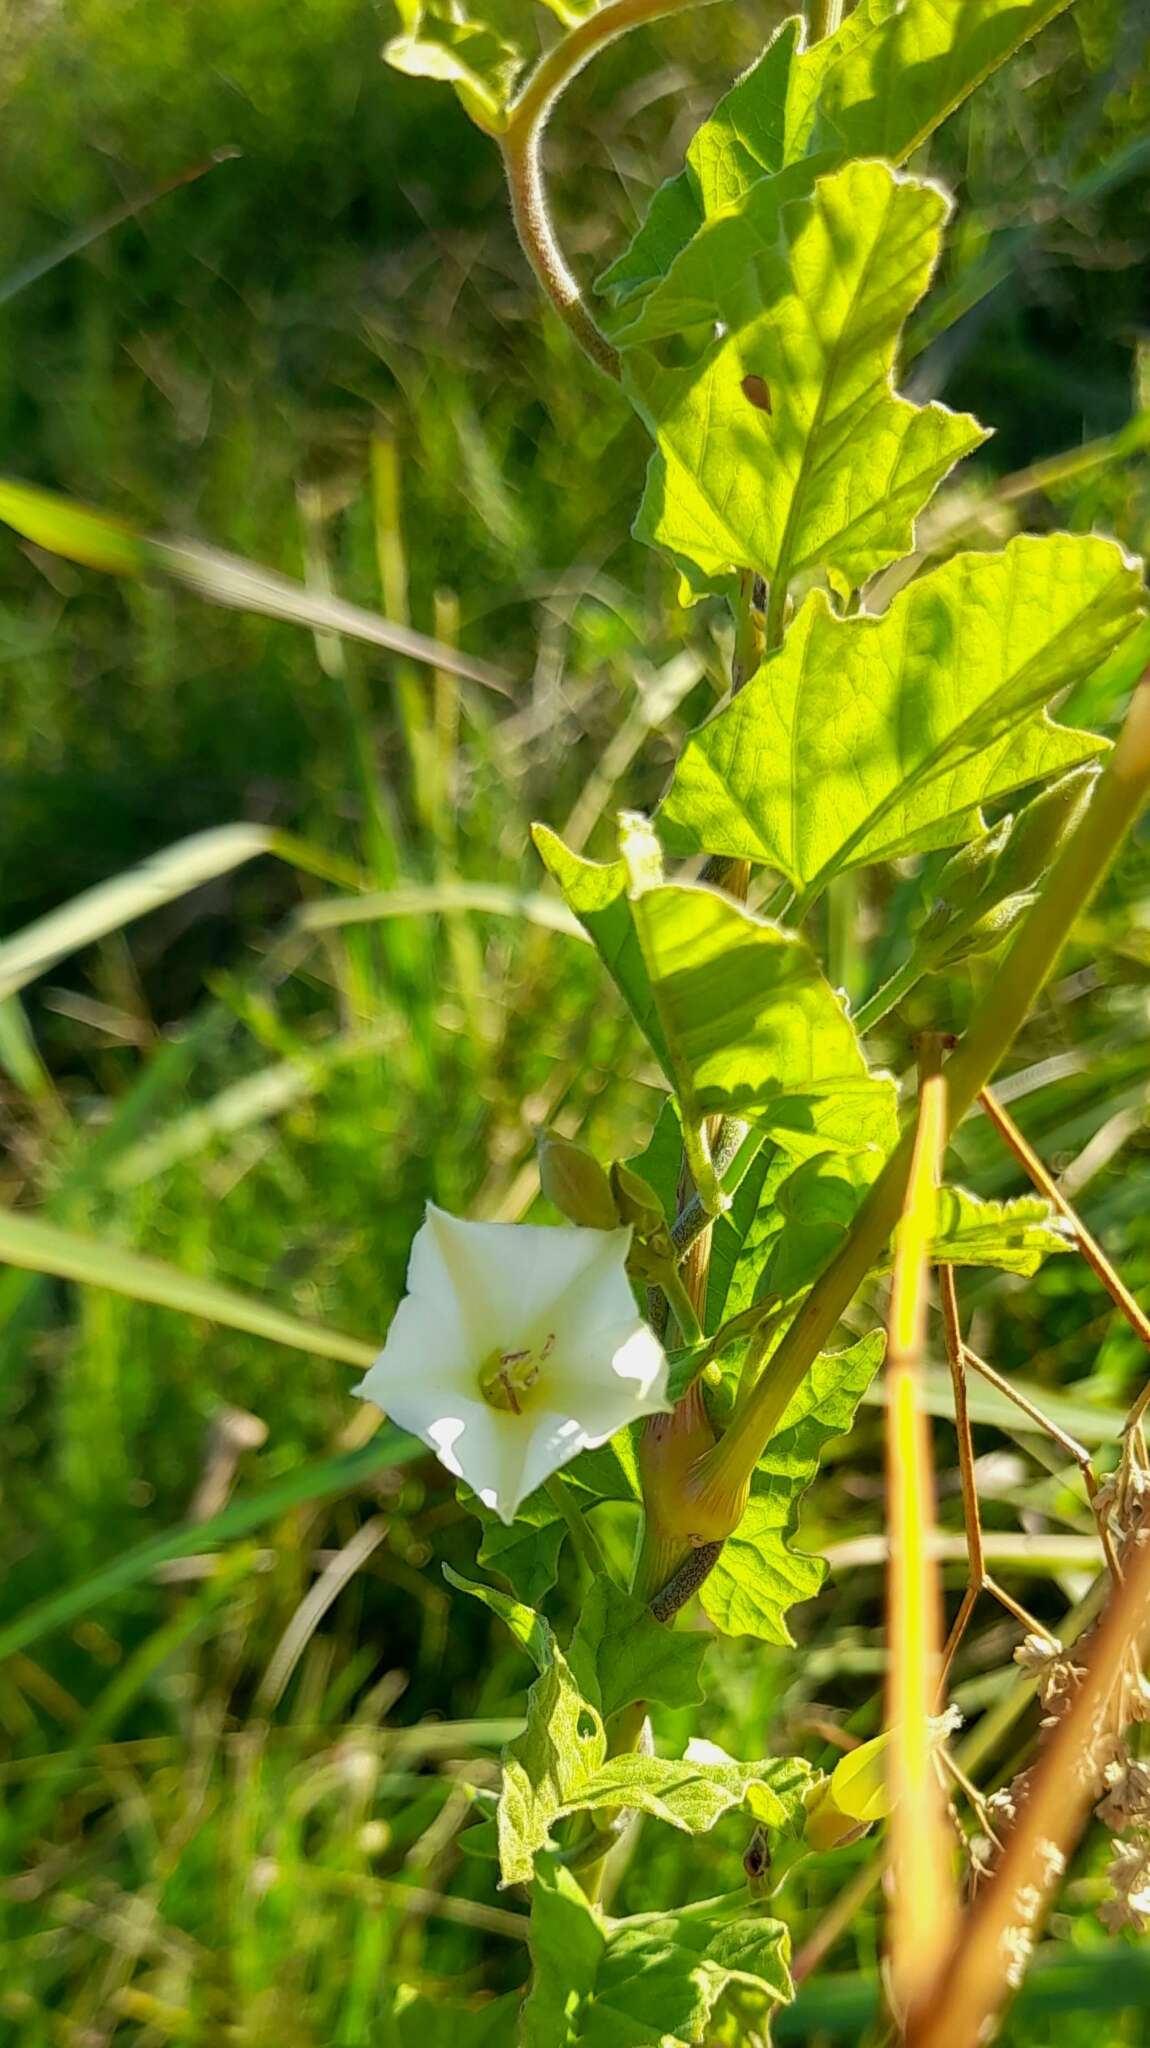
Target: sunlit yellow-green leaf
[(778, 1040), (877, 87), (481, 47), (866, 738), (784, 447)]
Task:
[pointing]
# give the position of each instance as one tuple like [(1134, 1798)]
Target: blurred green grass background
[(229, 1816)]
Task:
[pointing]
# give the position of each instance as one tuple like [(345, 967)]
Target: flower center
[(506, 1378)]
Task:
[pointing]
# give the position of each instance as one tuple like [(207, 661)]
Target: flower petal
[(426, 1366), (509, 1279), (617, 1371), (490, 1451)]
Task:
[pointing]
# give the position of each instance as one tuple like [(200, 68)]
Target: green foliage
[(418, 2022), (692, 1794), (759, 1575), (943, 697), (597, 892), (878, 87), (549, 1769), (1015, 1236), (619, 1654), (193, 1178), (526, 1551), (985, 887), (653, 1981), (781, 1050), (528, 1628), (817, 1203), (784, 448), (560, 1765), (781, 1042), (481, 49)]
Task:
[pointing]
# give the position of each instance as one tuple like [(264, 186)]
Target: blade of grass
[(82, 238), (990, 1407), (446, 897), (312, 1608), (20, 1058), (256, 1098), (311, 1482), (138, 1672), (82, 534), (92, 1261), (174, 872)]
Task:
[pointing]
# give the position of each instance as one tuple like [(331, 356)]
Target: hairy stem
[(537, 238), (885, 998), (521, 144)]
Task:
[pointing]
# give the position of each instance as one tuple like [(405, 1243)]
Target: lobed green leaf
[(526, 1551), (692, 1795), (780, 1049), (759, 1575), (864, 739), (777, 1044), (619, 1653), (879, 86), (559, 1765), (530, 1630), (548, 1768), (817, 1205), (784, 447), (658, 1980), (481, 47)]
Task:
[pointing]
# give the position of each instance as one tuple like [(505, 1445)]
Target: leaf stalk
[(521, 147)]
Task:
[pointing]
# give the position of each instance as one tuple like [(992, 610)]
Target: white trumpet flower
[(516, 1347)]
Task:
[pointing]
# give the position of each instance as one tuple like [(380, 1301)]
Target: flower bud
[(575, 1183), (963, 882), (842, 1807), (1039, 833), (985, 932), (636, 1201)]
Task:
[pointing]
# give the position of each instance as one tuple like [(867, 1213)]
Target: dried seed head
[(1127, 1800), (1003, 1805), (1055, 1676), (1129, 1873)]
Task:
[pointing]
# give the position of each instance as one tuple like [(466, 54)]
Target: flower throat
[(508, 1378)]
